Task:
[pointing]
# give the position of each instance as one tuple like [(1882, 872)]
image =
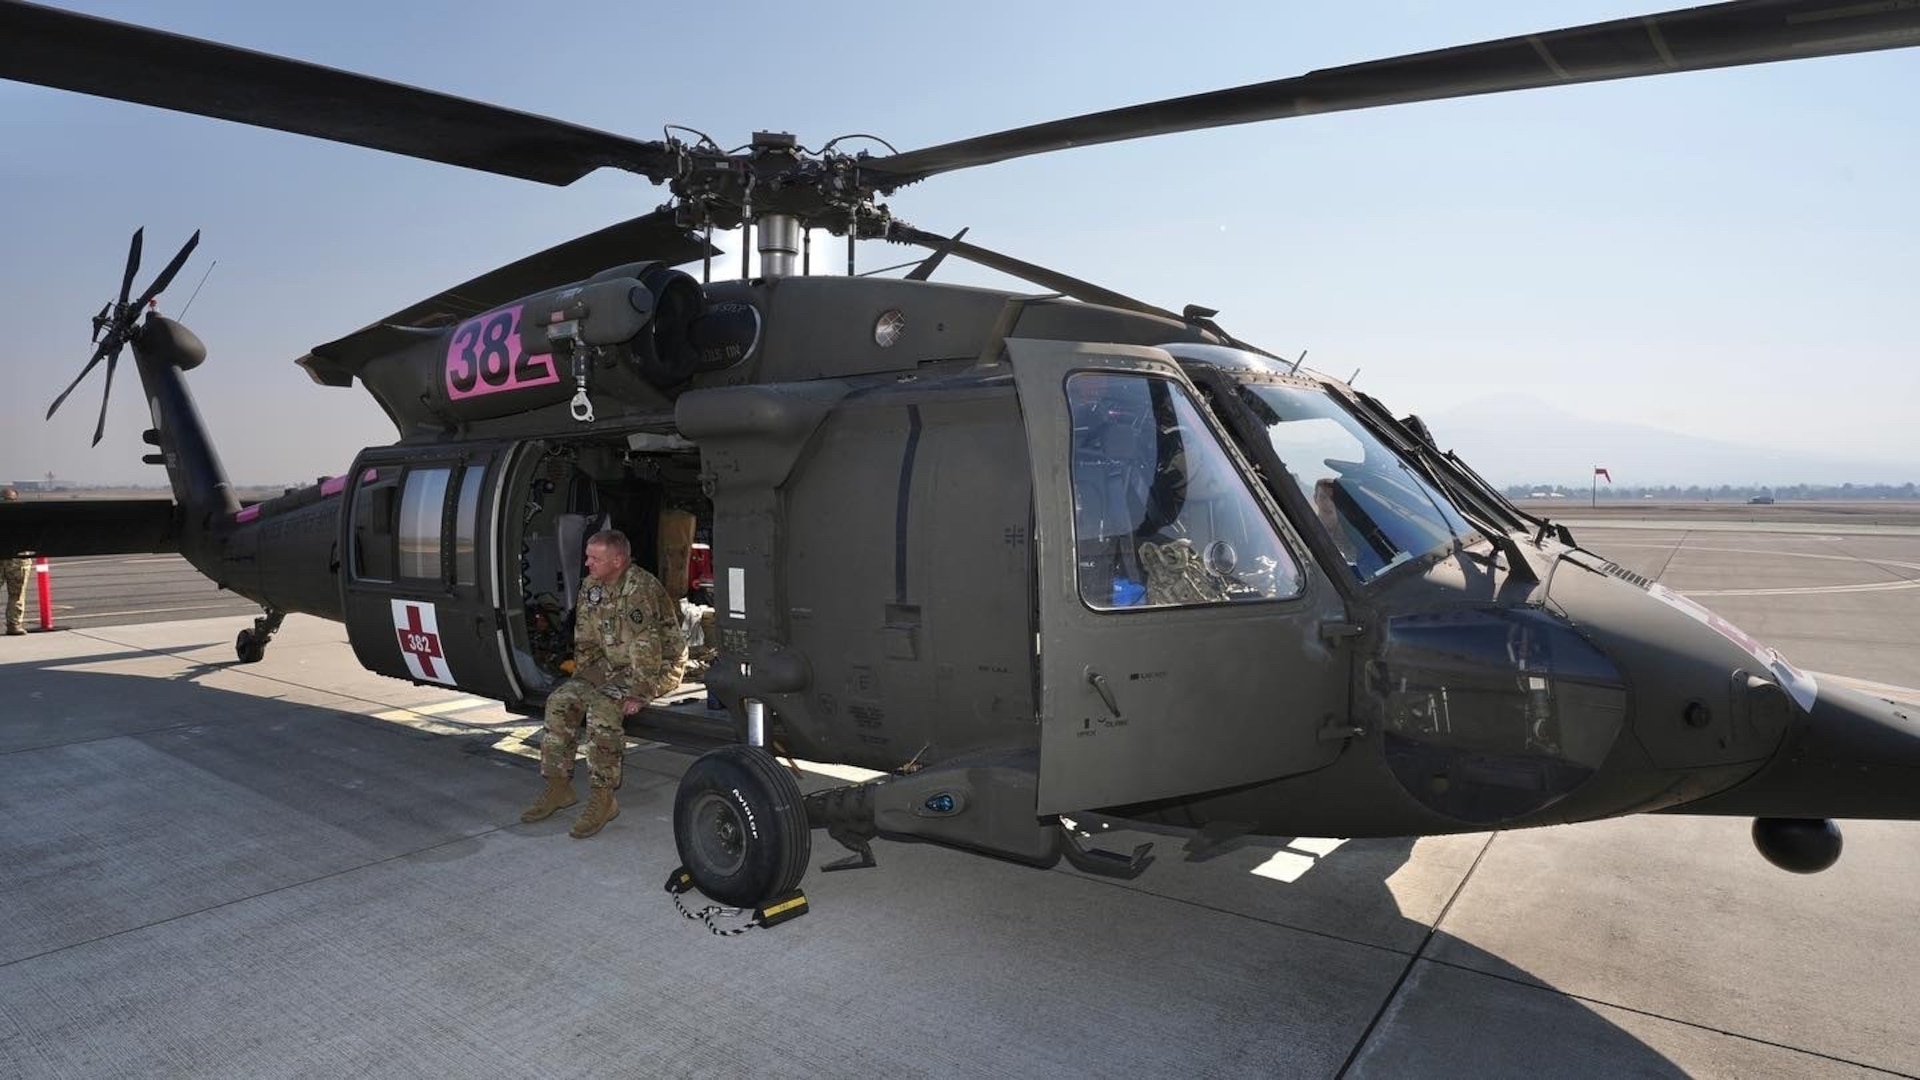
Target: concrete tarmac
[(116, 590), (298, 868)]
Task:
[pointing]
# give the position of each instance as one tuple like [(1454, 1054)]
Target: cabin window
[(1162, 518), (423, 503), (466, 526), (373, 524)]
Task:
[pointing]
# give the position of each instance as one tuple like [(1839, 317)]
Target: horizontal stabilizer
[(68, 527)]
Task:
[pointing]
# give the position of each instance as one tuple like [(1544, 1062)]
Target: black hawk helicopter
[(1029, 556)]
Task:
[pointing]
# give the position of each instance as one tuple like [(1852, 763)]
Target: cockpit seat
[(570, 533)]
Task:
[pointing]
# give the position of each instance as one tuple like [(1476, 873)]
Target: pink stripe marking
[(329, 487)]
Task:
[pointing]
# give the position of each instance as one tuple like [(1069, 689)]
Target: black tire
[(741, 826), (249, 650)]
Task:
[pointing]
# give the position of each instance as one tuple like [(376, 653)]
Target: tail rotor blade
[(98, 355), (166, 276), (133, 263), (114, 325), (106, 395)]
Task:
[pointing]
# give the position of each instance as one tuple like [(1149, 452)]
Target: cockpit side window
[(1161, 516)]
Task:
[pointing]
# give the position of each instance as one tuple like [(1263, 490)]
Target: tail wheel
[(249, 648), (740, 824)]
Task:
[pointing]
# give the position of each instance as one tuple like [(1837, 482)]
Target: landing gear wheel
[(250, 649), (740, 824), (251, 645)]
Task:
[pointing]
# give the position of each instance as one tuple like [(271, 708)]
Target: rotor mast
[(779, 243)]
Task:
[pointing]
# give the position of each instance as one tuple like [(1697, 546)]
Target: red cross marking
[(416, 639)]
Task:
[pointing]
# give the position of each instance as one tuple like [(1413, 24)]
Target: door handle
[(1099, 683)]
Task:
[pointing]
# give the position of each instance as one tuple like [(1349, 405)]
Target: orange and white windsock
[(1602, 473)]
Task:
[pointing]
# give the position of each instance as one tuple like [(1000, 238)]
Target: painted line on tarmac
[(1906, 695), (1777, 528), (1800, 590), (1301, 854), (853, 774), (1808, 590), (229, 606), (516, 742), (441, 718), (434, 709)]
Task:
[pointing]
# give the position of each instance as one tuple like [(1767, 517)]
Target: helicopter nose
[(1706, 698), (1759, 736), (1850, 755)]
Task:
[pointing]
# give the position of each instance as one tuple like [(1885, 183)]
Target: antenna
[(1302, 360), (1355, 375), (196, 288)]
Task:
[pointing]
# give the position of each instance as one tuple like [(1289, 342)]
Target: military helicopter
[(1030, 557)]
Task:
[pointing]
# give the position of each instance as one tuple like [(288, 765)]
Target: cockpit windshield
[(1379, 510)]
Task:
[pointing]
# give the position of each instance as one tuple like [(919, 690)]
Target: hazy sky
[(1732, 253)]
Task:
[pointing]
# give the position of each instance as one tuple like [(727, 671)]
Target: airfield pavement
[(298, 868)]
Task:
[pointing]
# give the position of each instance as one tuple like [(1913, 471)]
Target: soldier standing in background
[(14, 568), (628, 649)]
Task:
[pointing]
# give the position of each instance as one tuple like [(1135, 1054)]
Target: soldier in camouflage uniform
[(628, 650), (14, 569)]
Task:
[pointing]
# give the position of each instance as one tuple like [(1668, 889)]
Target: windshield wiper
[(1466, 499), (1546, 525), (1470, 501)]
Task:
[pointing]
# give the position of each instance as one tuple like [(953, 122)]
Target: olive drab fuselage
[(1081, 557)]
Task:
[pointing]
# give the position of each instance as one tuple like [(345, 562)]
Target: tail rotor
[(113, 327)]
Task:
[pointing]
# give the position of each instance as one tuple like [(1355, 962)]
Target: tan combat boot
[(558, 796), (601, 808)]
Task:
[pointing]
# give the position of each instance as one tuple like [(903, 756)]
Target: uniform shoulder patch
[(637, 616)]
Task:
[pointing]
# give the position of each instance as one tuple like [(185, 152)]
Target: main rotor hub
[(773, 177)]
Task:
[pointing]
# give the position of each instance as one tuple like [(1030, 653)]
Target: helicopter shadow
[(62, 701), (1454, 1009)]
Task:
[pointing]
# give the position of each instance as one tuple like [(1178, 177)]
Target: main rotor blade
[(91, 55), (1693, 39), (1026, 271), (932, 262), (653, 236), (166, 275), (133, 263)]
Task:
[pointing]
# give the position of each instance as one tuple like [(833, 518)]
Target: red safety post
[(44, 577)]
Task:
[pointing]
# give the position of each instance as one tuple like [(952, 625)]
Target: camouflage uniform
[(1176, 575), (627, 643), (15, 571)]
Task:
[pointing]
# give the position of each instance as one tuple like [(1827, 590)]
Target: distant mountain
[(1517, 439)]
